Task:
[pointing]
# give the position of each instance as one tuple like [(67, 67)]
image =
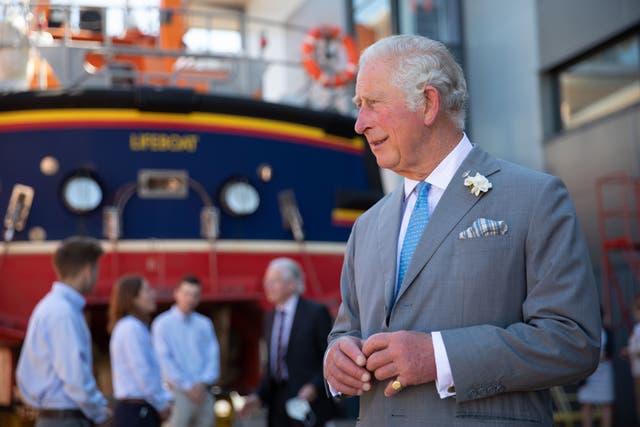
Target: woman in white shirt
[(142, 401)]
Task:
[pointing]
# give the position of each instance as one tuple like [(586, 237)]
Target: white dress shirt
[(289, 308), (634, 351), (439, 180)]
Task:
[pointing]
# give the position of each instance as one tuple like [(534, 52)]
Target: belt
[(61, 414), (280, 383), (133, 401)]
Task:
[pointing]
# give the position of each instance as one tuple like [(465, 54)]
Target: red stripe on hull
[(226, 277)]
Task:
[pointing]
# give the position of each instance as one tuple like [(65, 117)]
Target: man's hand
[(403, 356), (106, 422), (165, 413), (251, 404), (308, 392), (344, 367), (197, 393)]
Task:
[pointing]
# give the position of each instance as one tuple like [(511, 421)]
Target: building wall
[(500, 45), (566, 29), (508, 47), (579, 157), (569, 27)]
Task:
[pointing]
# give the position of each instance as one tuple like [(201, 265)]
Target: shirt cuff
[(333, 391), (444, 380)]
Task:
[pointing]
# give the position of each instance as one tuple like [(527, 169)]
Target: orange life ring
[(310, 63)]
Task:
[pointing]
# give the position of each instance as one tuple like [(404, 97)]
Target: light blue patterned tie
[(417, 222)]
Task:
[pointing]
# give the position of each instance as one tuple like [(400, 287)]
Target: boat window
[(163, 184), (120, 15), (82, 192), (202, 40)]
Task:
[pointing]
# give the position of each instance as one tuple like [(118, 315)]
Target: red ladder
[(618, 199)]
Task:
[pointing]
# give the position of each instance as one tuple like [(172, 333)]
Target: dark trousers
[(52, 417), (68, 422), (128, 414), (277, 408)]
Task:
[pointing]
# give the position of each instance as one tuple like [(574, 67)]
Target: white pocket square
[(483, 227)]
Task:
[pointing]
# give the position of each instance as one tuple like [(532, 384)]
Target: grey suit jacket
[(518, 312)]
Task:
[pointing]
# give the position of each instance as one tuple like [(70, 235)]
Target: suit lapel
[(456, 201), (268, 331), (298, 314), (388, 228)]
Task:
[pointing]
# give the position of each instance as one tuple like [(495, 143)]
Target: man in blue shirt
[(189, 356), (55, 369)]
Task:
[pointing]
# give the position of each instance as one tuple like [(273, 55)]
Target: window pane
[(372, 19), (436, 19), (601, 84)]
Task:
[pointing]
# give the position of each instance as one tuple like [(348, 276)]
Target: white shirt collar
[(442, 175), (180, 314), (70, 293), (289, 305)]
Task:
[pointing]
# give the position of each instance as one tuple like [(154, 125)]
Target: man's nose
[(361, 122)]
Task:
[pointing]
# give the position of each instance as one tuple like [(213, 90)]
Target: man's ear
[(431, 104), (87, 270), (85, 275)]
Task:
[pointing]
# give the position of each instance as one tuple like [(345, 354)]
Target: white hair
[(290, 270), (422, 62)]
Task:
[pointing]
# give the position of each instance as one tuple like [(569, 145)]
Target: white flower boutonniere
[(477, 184)]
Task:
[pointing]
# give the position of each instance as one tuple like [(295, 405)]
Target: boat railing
[(209, 50)]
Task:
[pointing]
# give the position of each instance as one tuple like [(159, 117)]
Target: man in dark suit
[(296, 332)]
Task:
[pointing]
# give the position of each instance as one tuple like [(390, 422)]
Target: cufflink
[(451, 389)]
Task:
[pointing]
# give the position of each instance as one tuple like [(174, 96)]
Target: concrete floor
[(259, 420)]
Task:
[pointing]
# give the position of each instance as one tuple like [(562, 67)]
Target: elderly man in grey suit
[(468, 291)]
